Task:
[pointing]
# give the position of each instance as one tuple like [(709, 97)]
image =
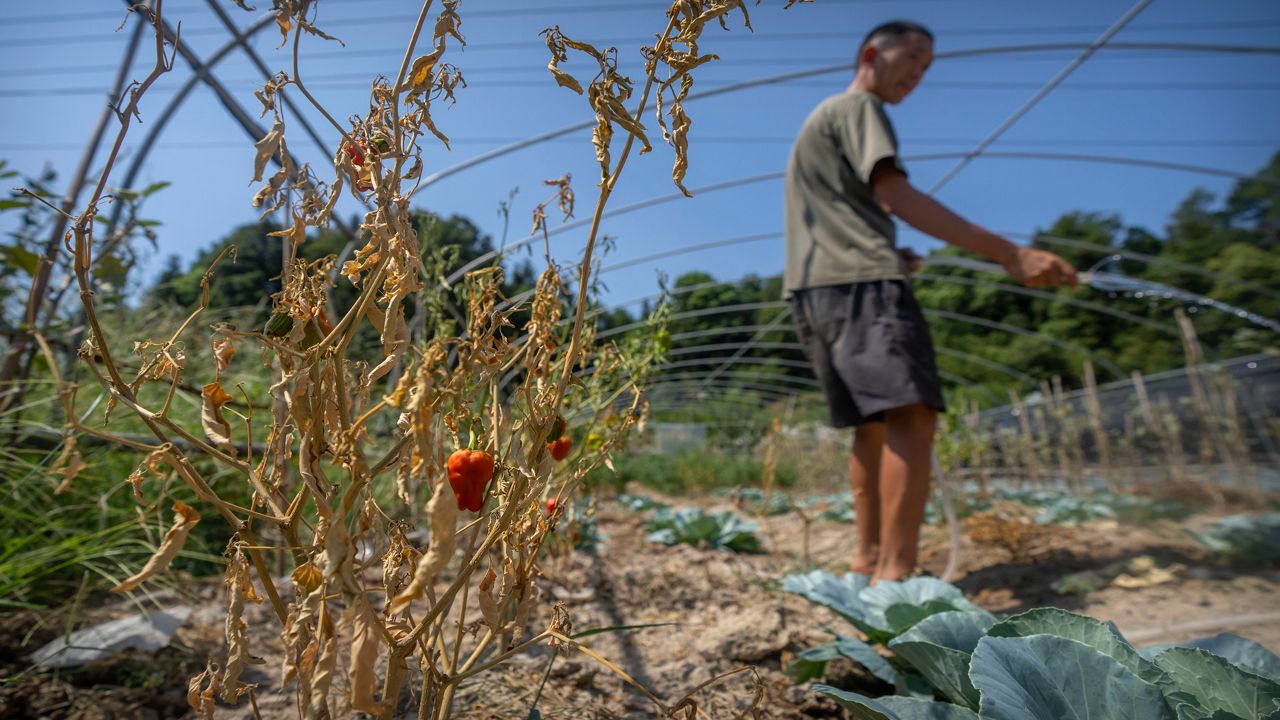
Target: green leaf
[(21, 257), (154, 188), (840, 594), (112, 271), (867, 657), (919, 592), (811, 663), (939, 648), (894, 708), (148, 223), (1043, 677), (14, 204), (1098, 635), (1241, 652), (1217, 685), (902, 616)]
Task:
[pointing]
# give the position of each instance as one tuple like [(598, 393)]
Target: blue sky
[(1215, 110)]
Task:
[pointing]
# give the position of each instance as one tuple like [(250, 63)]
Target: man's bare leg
[(904, 487), (864, 476)]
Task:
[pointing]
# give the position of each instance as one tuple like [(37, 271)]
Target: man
[(854, 311)]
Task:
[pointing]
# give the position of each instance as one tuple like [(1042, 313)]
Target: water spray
[(1110, 282)]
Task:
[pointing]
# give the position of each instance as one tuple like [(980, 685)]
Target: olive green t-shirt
[(836, 231)]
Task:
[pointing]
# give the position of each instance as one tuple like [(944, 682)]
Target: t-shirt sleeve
[(868, 138)]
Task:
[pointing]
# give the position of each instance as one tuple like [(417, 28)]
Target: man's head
[(893, 58)]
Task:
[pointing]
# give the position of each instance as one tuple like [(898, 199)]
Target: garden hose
[(949, 512)]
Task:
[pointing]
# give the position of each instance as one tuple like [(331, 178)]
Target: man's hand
[(1033, 268), (1037, 268)]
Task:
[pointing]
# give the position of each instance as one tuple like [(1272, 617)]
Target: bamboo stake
[(1057, 436), (1093, 405), (1235, 435), (1175, 472), (1009, 455), (1070, 432), (1028, 440), (972, 420), (1211, 435)]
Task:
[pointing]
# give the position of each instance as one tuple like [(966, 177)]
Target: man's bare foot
[(889, 573), (866, 561)]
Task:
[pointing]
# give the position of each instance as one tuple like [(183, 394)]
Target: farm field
[(706, 611)]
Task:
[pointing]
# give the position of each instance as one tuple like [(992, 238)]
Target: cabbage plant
[(1249, 539), (1044, 664), (691, 526)]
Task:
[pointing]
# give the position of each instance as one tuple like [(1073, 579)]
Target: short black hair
[(893, 30)]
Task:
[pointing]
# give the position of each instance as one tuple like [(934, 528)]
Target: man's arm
[(1033, 268)]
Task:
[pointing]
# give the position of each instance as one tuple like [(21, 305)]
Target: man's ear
[(868, 55)]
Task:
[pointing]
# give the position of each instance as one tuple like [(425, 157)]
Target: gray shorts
[(870, 348)]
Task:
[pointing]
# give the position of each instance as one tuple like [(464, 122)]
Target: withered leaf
[(322, 672), (312, 29), (285, 25), (200, 692), (442, 511), (366, 642), (224, 348), (266, 147), (489, 602), (296, 233), (215, 425), (185, 518), (68, 465), (239, 589), (414, 170)]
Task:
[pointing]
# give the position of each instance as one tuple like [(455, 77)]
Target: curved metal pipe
[(940, 349), (804, 382), (828, 69), (199, 74), (738, 182), (776, 391), (958, 317)]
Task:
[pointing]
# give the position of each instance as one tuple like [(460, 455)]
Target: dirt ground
[(713, 612)]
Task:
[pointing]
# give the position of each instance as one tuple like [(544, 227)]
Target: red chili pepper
[(355, 153), (551, 506), (560, 448), (469, 474)]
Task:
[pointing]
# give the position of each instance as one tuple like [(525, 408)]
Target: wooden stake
[(1070, 433), (1175, 472), (1093, 405), (1211, 434), (972, 420), (1028, 439)]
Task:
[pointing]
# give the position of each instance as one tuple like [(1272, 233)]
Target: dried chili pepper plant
[(352, 448)]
